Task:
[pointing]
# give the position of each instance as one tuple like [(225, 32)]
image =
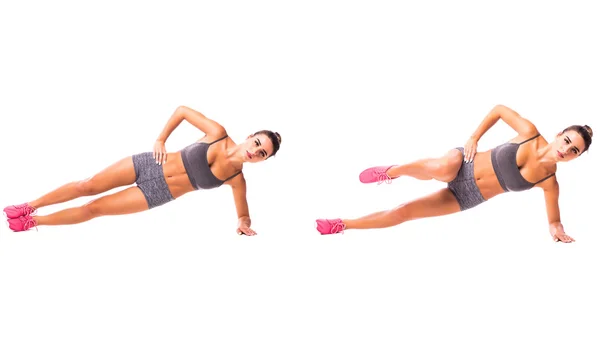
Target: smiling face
[(568, 145), (257, 148)]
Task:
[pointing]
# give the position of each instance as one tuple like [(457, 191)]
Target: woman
[(527, 161), (159, 177)]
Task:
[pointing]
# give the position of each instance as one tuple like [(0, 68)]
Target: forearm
[(490, 119), (172, 123)]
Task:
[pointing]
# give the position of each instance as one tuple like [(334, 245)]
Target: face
[(257, 148), (568, 146)]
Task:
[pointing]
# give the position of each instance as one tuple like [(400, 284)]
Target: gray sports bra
[(196, 164), (504, 161)]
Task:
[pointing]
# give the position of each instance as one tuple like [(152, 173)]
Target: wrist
[(556, 227)]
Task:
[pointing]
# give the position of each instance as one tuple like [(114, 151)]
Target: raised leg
[(130, 200), (118, 174), (443, 169)]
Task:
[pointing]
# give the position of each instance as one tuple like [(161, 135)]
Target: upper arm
[(551, 192), (238, 187), (521, 125), (205, 124)]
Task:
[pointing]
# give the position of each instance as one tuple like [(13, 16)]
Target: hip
[(172, 171)]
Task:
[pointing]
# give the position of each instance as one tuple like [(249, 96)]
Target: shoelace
[(382, 177), (29, 223), (28, 210), (338, 227)]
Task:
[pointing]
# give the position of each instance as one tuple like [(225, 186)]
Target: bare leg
[(439, 203), (130, 200), (118, 174), (443, 169)]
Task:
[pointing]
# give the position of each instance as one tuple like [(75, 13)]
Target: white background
[(349, 85)]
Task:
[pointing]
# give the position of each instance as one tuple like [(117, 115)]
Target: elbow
[(180, 110), (498, 110), (182, 113)]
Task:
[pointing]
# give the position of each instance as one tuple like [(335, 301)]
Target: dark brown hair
[(585, 132)]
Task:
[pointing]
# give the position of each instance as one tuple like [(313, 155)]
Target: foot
[(375, 174), (330, 226), (15, 211), (22, 223)]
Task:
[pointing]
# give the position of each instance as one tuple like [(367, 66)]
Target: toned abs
[(176, 175)]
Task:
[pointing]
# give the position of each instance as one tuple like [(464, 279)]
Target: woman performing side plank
[(159, 177), (473, 177)]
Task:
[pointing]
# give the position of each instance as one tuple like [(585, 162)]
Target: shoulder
[(530, 132), (219, 133), (217, 136)]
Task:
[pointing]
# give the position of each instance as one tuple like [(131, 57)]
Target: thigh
[(121, 173), (127, 201), (452, 161), (435, 204), (464, 188)]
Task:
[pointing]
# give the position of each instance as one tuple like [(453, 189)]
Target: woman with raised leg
[(525, 162)]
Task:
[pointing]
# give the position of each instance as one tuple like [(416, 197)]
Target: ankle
[(394, 171)]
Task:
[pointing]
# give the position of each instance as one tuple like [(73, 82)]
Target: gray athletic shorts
[(150, 178), (464, 188)]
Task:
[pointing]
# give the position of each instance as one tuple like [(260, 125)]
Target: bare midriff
[(176, 176), (485, 177)]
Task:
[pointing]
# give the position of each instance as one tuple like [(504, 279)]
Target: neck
[(546, 155), (235, 157)]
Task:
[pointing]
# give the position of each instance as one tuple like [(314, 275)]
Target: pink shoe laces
[(30, 222), (337, 227), (382, 177), (28, 209)]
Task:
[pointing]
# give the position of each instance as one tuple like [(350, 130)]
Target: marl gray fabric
[(464, 188), (150, 178)]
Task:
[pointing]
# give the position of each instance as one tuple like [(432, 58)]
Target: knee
[(399, 214), (92, 209), (88, 187)]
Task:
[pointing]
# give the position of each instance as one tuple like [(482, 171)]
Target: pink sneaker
[(332, 226), (15, 211), (22, 223), (375, 174)]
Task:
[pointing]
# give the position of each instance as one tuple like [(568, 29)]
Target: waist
[(175, 175), (485, 176), (175, 170)]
